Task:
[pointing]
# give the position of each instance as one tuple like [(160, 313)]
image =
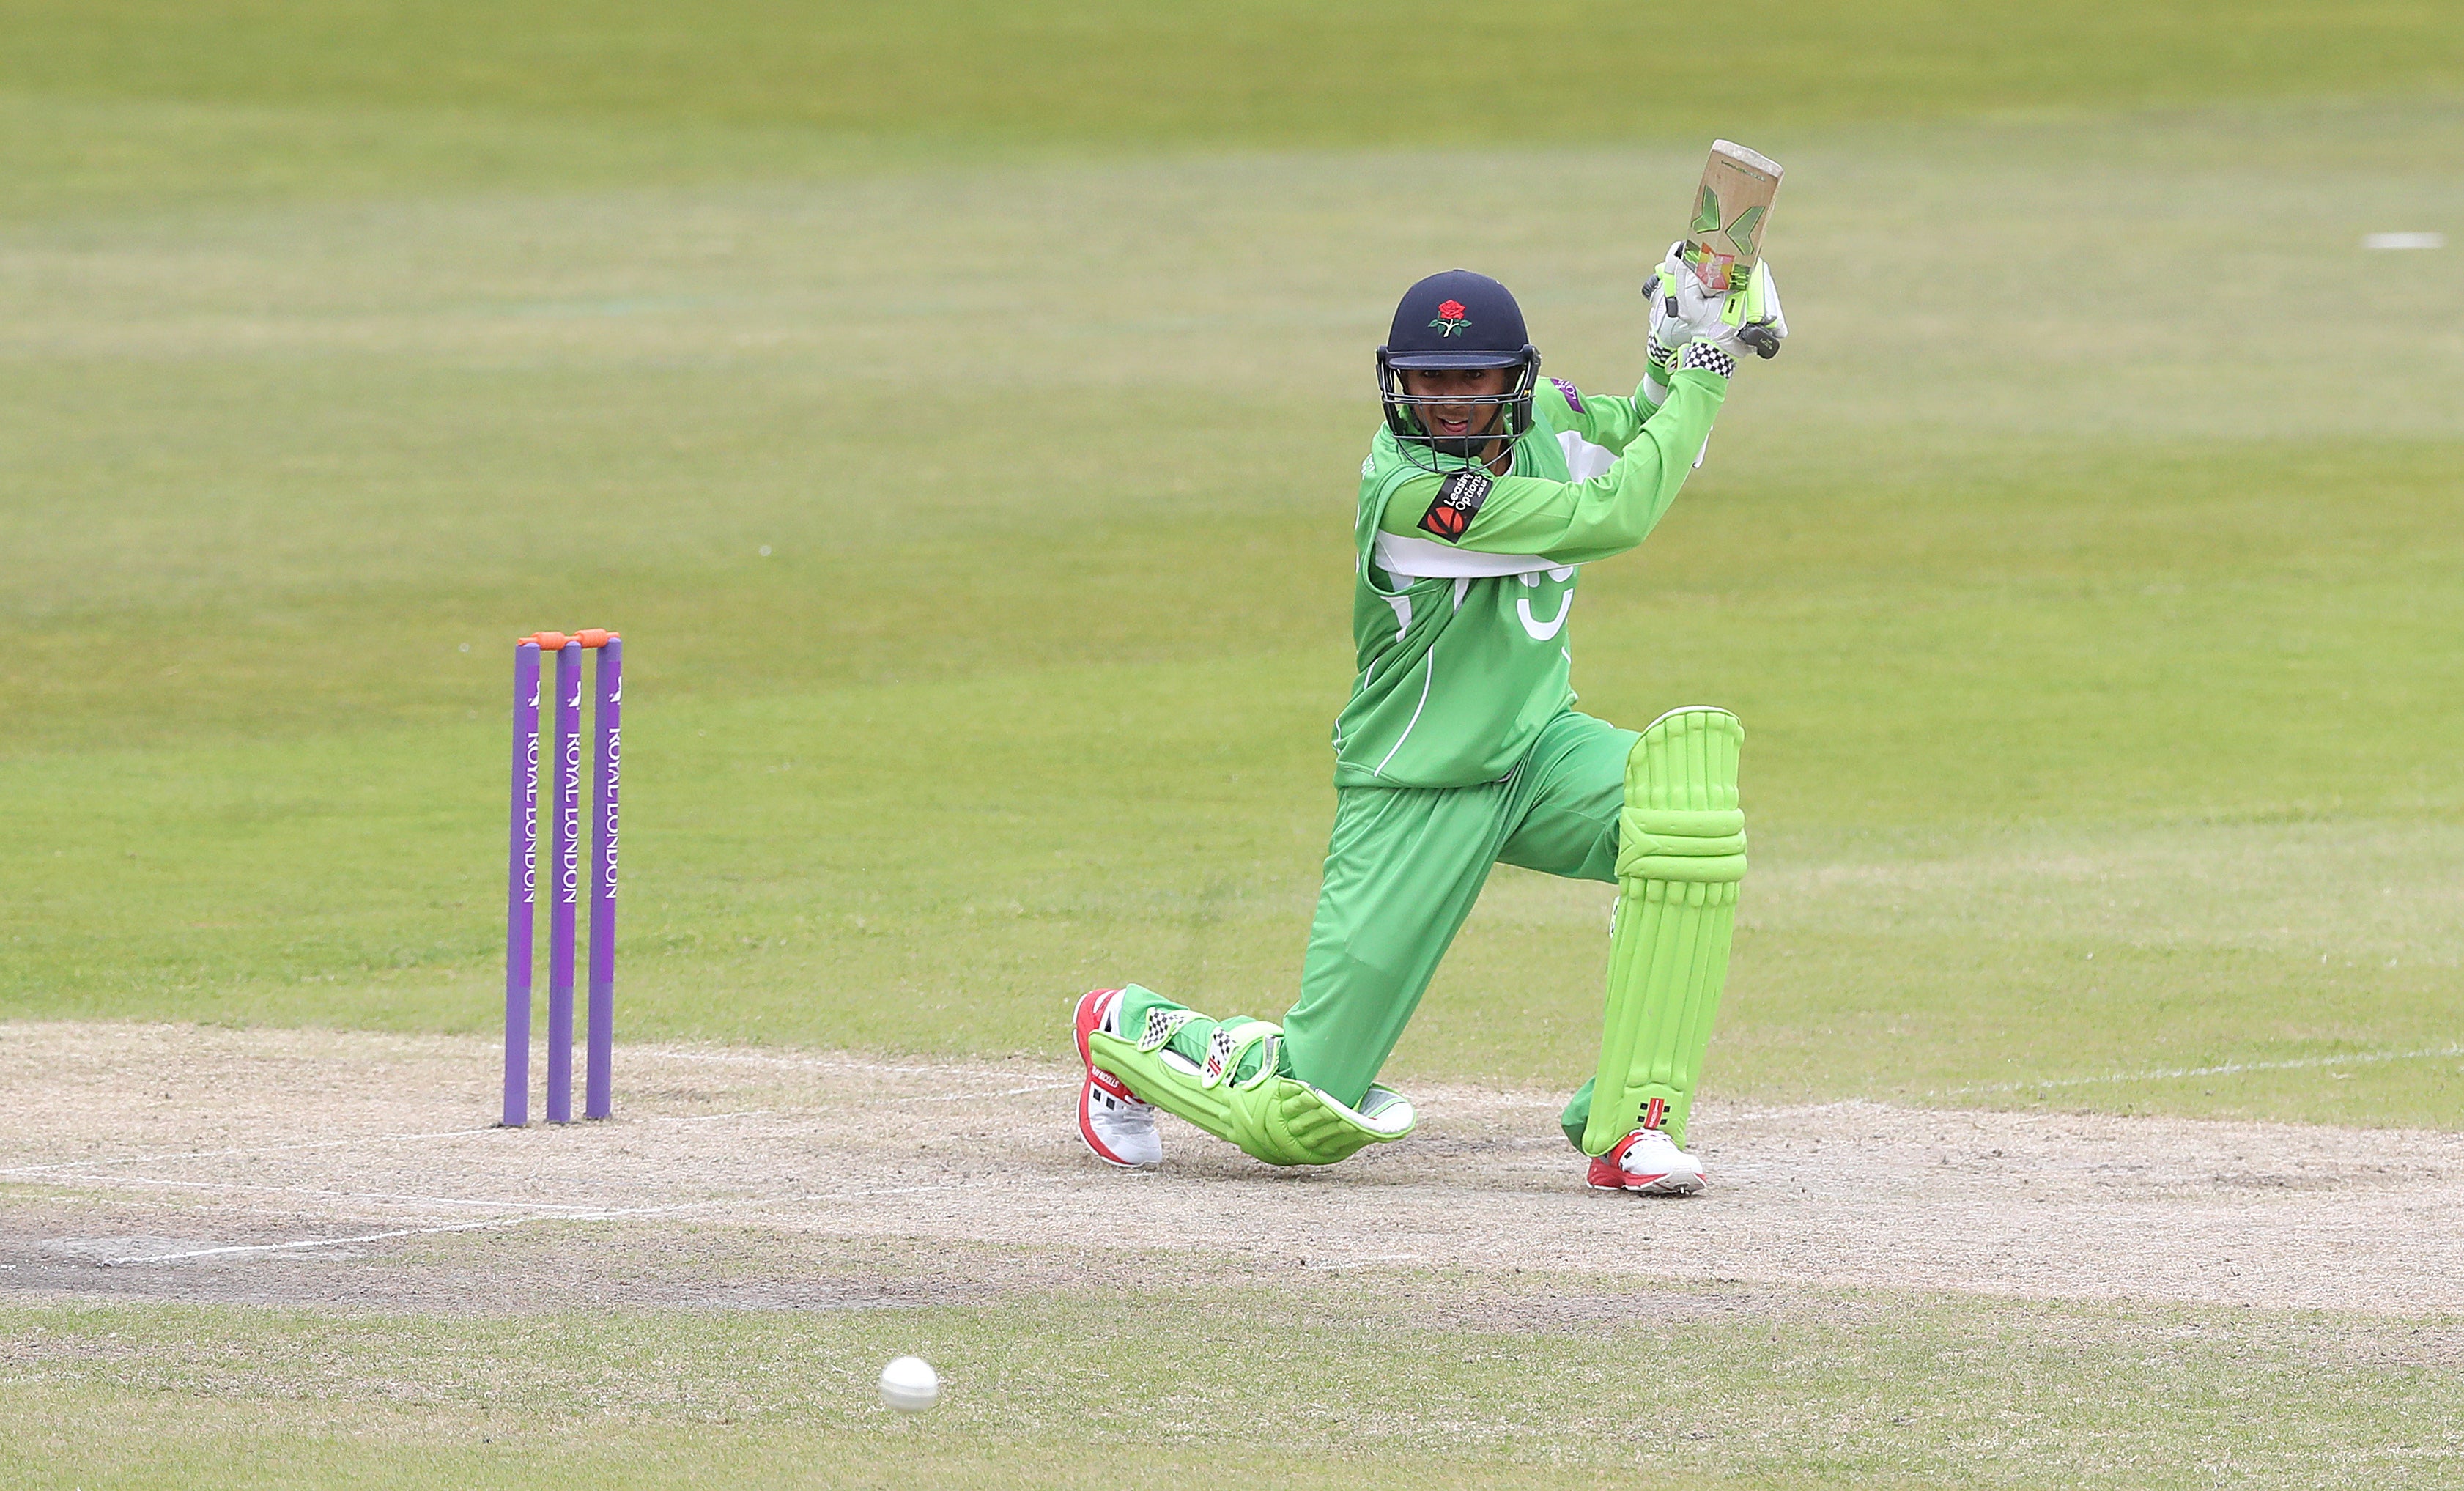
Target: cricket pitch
[(303, 1167)]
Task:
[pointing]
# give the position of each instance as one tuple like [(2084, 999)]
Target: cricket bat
[(1724, 240)]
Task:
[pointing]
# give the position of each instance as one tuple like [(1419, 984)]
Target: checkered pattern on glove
[(1162, 1025), (1702, 356)]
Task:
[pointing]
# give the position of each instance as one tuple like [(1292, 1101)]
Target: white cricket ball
[(910, 1384)]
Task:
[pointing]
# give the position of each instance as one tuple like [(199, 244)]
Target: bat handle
[(1761, 339)]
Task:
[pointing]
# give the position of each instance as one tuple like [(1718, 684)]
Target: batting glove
[(1746, 320), (1754, 310)]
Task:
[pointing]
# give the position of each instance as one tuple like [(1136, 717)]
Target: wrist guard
[(1702, 356)]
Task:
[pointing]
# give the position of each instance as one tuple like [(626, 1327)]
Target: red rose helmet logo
[(1451, 317)]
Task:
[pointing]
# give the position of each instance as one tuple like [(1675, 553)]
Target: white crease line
[(259, 1148), (805, 1063), (1006, 1092), (2225, 1069), (167, 1155), (164, 1183), (707, 1118), (317, 1243), (762, 1208), (325, 1216), (402, 1232), (498, 1222)]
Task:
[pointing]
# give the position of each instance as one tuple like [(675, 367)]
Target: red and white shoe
[(1647, 1163), (1115, 1124)]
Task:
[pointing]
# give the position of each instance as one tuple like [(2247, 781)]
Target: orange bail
[(557, 642)]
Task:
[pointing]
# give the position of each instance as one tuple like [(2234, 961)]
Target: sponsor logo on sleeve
[(1574, 399), (1457, 501)]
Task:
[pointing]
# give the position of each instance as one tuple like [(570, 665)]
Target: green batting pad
[(1274, 1117), (1681, 853)]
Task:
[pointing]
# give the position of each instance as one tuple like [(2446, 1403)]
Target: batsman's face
[(1458, 421)]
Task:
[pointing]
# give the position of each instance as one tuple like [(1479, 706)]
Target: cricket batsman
[(1481, 499)]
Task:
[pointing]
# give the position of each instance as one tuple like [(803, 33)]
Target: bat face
[(1724, 241)]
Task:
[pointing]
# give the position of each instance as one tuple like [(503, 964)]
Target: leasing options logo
[(1457, 503)]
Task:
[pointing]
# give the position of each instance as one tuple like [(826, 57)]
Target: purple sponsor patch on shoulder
[(1574, 399)]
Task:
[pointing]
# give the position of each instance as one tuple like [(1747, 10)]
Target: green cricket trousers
[(1404, 865)]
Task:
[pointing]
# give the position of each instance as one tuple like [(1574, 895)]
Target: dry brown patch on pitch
[(315, 1167)]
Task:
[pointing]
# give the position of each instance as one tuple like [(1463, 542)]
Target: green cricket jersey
[(1466, 580)]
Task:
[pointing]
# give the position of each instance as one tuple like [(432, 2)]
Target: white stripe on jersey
[(1407, 557), (1426, 558)]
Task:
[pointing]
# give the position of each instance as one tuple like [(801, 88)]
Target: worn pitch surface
[(315, 1167)]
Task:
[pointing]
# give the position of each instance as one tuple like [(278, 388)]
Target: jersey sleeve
[(1567, 522), (1608, 420)]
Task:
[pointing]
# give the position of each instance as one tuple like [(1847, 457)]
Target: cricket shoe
[(1647, 1163), (1115, 1124)]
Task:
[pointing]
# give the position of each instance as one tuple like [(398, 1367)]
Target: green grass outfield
[(975, 499), (1524, 1384)]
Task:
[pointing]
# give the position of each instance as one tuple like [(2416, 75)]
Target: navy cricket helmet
[(1456, 320)]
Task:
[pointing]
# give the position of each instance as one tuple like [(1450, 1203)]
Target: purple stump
[(609, 713), (521, 885), (564, 854)]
